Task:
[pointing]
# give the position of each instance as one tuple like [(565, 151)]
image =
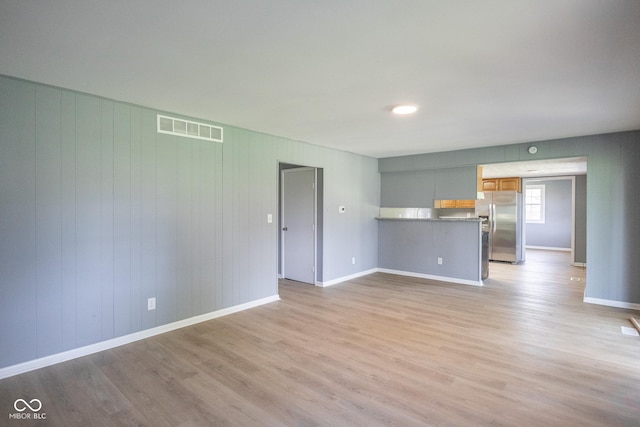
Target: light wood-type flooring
[(523, 350)]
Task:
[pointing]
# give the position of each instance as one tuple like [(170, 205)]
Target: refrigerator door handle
[(493, 215)]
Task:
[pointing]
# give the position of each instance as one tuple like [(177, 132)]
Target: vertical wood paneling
[(257, 194), (48, 220), (225, 299), (166, 229), (269, 233), (184, 256), (148, 161), (136, 304), (207, 254), (18, 316), (617, 225), (216, 166), (88, 222), (124, 216), (68, 220), (122, 220), (631, 207), (209, 300), (196, 221), (106, 220), (243, 207)]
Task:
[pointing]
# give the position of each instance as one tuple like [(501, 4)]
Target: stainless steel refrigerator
[(503, 211)]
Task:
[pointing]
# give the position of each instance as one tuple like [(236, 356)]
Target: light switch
[(269, 218)]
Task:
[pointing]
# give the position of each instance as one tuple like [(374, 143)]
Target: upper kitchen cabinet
[(460, 204), (502, 184), (407, 189), (456, 183)]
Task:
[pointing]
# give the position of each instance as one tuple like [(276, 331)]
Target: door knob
[(284, 228)]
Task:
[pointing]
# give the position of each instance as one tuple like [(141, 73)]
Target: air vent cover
[(188, 129)]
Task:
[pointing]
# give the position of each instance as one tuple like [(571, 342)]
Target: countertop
[(449, 219)]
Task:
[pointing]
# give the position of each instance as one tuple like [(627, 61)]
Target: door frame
[(281, 218)]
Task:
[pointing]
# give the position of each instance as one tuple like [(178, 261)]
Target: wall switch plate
[(353, 260), (341, 209), (439, 260), (151, 304), (269, 218)]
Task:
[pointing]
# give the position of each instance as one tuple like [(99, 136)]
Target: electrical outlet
[(439, 260), (151, 304), (353, 260)]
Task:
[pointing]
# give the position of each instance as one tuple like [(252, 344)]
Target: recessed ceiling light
[(404, 109)]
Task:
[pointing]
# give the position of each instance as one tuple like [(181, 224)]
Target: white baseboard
[(579, 264), (612, 303), (345, 278), (548, 248), (432, 277), (42, 362), (400, 273)]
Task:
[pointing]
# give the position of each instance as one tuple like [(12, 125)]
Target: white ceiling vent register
[(189, 129)]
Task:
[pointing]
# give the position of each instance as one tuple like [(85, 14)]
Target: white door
[(298, 224)]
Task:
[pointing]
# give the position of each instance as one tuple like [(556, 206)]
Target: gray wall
[(556, 230), (414, 246), (98, 212), (613, 200), (580, 249)]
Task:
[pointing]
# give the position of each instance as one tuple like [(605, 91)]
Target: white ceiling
[(483, 72)]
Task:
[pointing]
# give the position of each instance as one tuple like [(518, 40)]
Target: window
[(534, 204)]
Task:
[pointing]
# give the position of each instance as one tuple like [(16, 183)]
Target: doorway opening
[(561, 221), (300, 223)]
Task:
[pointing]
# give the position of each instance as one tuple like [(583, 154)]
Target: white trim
[(549, 248), (400, 273), (346, 278), (612, 303), (42, 362), (579, 264), (432, 277)]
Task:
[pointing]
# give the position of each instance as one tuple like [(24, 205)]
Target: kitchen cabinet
[(402, 189), (456, 183), (502, 184), (490, 184), (510, 184), (466, 204), (448, 204)]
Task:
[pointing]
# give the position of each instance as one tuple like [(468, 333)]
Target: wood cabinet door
[(510, 184), (447, 203), (489, 185), (466, 204)]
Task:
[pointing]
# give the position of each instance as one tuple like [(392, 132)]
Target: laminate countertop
[(441, 219)]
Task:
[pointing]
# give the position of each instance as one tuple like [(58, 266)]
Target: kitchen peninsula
[(444, 249)]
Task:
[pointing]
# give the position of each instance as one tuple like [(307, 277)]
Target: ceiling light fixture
[(404, 109)]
